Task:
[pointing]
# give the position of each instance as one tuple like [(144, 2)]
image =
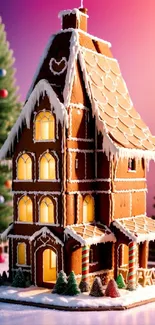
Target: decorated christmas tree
[(72, 287), (61, 283), (120, 281), (112, 289), (97, 288), (9, 110), (19, 279)]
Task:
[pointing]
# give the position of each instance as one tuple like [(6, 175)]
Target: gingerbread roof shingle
[(138, 229), (88, 234)]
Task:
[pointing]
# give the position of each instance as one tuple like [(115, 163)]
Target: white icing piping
[(41, 88)]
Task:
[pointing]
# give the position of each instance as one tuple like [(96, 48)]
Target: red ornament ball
[(3, 93), (8, 184)]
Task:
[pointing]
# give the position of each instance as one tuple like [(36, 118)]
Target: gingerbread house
[(79, 152)]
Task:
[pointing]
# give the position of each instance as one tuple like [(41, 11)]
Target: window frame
[(19, 199), (54, 201), (32, 157), (55, 125), (55, 156), (25, 257)]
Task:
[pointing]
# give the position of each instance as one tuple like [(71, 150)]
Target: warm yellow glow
[(125, 255), (25, 209), (21, 254), (45, 126), (47, 210), (47, 167), (24, 167), (49, 265), (88, 209)]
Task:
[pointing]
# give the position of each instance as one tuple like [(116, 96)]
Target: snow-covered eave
[(43, 87), (90, 241), (6, 232), (43, 231), (138, 238)]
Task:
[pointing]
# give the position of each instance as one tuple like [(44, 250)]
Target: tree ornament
[(8, 184), (2, 72), (2, 199), (3, 93)]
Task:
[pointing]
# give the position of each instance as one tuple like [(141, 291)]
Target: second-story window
[(88, 209), (47, 167), (25, 209), (24, 167), (131, 164), (46, 210), (44, 126)]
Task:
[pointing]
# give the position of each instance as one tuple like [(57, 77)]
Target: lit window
[(88, 209), (25, 209), (24, 167), (47, 167), (44, 126), (46, 210), (131, 164), (21, 253)]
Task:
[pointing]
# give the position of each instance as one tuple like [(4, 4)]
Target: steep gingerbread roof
[(124, 132), (138, 229)]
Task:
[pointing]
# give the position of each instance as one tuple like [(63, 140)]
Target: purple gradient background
[(128, 24)]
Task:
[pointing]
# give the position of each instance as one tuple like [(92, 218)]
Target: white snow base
[(43, 296)]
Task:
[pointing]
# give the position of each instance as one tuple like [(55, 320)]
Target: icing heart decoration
[(58, 67)]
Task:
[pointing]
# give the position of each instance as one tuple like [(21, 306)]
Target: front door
[(49, 266)]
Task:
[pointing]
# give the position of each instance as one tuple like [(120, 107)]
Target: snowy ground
[(17, 315)]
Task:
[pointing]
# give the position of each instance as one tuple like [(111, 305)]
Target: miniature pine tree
[(112, 289), (9, 110), (4, 276), (84, 286), (19, 279), (72, 287), (61, 283), (97, 288), (120, 281)]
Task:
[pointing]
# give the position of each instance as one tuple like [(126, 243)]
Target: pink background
[(128, 24)]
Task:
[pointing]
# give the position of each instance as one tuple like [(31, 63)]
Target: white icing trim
[(43, 232), (129, 179), (88, 180), (58, 63), (4, 234), (90, 241), (89, 192), (80, 150), (36, 193), (42, 88), (25, 252), (80, 139)]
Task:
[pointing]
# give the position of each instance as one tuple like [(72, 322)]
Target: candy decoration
[(2, 72), (132, 266), (3, 93), (85, 263), (8, 184), (2, 199)]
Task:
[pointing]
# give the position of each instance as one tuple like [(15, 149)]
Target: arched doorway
[(49, 260)]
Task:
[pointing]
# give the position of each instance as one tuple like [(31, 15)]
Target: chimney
[(76, 18)]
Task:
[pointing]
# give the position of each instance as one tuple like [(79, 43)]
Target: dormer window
[(44, 126), (131, 164)]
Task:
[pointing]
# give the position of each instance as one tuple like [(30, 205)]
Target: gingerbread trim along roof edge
[(92, 240), (5, 233), (137, 237), (41, 88), (45, 231)]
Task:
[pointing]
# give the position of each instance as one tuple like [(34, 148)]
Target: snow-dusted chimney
[(75, 18)]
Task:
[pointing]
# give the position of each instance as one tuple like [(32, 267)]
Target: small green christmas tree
[(72, 287), (19, 279), (97, 288), (61, 283), (120, 281)]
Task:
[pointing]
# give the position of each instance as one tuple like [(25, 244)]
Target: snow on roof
[(138, 229), (42, 88), (87, 234), (75, 11), (43, 232), (5, 233)]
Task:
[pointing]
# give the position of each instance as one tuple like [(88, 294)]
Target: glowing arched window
[(44, 126), (21, 253), (24, 167), (46, 210), (88, 209), (25, 209), (47, 166)]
